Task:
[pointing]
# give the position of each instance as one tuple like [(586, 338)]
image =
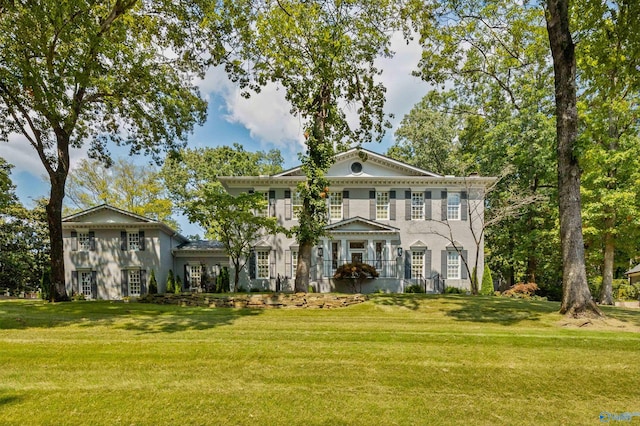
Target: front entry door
[(356, 257)]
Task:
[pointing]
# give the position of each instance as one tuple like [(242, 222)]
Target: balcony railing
[(385, 268)]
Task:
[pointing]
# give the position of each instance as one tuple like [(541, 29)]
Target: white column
[(344, 251), (388, 256)]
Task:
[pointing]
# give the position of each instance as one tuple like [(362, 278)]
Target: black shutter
[(123, 240), (345, 204), (94, 285), (74, 282), (464, 205), (287, 204), (392, 205), (443, 205), (427, 205), (187, 278), (407, 264), (74, 240), (272, 203), (372, 205), (443, 264), (141, 240), (252, 265), (427, 263), (92, 241), (143, 282), (464, 274), (407, 205), (124, 282)]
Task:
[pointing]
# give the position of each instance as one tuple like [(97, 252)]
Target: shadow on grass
[(408, 301), (143, 318), (9, 399), (497, 310), (628, 315)]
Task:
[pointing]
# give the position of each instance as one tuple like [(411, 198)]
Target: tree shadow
[(9, 399), (626, 315), (497, 310), (140, 317), (408, 301)]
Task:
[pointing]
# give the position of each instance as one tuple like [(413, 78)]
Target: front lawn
[(403, 359)]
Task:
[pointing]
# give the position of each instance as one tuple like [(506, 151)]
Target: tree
[(233, 221), (487, 282), (153, 284), (356, 273), (322, 53), (124, 185), (171, 284), (76, 73), (188, 172), (576, 297)]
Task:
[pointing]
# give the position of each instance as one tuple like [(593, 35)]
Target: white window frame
[(335, 206), (296, 203), (417, 264), (265, 211), (453, 265), (84, 243), (133, 241), (85, 279), (135, 282), (453, 206), (262, 264), (417, 206), (382, 205), (195, 275)]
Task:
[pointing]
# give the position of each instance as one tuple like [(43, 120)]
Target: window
[(356, 168), (417, 264), (263, 264), (264, 212), (296, 203), (453, 265), (335, 254), (195, 275), (294, 262), (133, 239), (453, 206), (85, 282), (84, 243), (378, 255), (134, 282), (335, 205), (417, 205), (382, 205)]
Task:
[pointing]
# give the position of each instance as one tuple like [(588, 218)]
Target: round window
[(356, 168)]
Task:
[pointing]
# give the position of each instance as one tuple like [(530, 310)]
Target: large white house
[(414, 226)]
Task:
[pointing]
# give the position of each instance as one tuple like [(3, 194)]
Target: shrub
[(453, 290), (627, 292), (414, 288), (153, 284), (178, 285), (521, 291), (487, 282), (171, 285), (222, 281), (77, 296), (45, 284), (356, 273)]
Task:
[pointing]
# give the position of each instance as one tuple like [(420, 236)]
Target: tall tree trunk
[(576, 297), (304, 267), (606, 291), (236, 276), (58, 290)]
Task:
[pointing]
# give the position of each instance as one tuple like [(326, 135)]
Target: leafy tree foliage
[(82, 72), (233, 221), (355, 273), (125, 185), (322, 53), (189, 172), (487, 282)]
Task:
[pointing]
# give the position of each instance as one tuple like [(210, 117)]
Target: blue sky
[(262, 122)]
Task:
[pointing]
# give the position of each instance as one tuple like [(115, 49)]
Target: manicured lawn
[(393, 360)]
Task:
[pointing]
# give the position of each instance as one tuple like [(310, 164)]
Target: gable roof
[(102, 207), (360, 225), (369, 156), (634, 270)]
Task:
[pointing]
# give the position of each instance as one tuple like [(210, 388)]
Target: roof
[(201, 245), (360, 225), (73, 217), (634, 270)]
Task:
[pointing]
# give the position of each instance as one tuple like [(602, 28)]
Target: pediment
[(106, 214), (364, 163), (359, 225)]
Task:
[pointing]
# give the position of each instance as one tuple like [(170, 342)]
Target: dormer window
[(356, 168)]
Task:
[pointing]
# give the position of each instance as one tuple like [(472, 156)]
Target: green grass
[(402, 360)]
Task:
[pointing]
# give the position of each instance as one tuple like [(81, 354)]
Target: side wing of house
[(110, 253), (416, 227)]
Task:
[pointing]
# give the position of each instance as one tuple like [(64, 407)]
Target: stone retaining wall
[(258, 301)]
